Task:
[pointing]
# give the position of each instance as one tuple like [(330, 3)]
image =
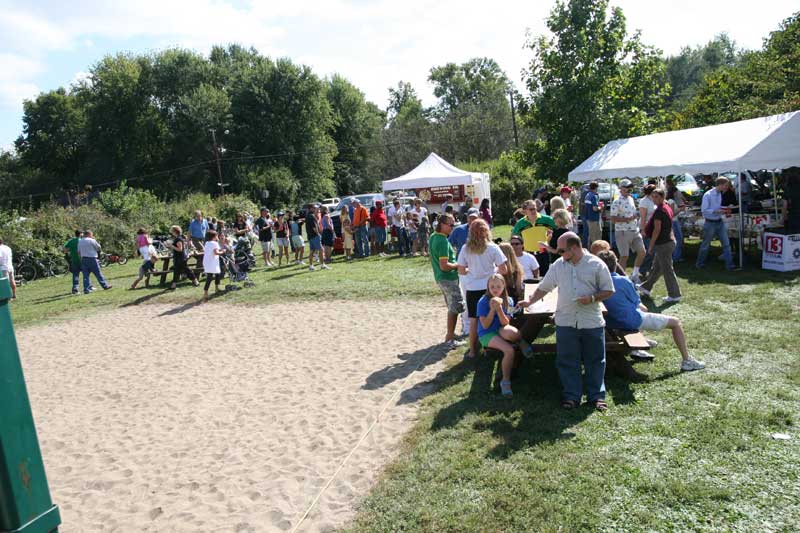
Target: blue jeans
[(715, 229), (574, 346), (403, 244), (380, 235), (362, 241), (75, 270), (91, 265), (676, 229)]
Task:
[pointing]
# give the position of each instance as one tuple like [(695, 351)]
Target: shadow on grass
[(400, 371), (52, 298)]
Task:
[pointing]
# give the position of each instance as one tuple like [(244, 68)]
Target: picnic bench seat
[(165, 271)]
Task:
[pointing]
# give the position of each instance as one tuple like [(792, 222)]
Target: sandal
[(527, 349), (600, 405), (505, 389), (569, 404)]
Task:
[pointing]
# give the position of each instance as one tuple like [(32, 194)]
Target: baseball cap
[(566, 189), (626, 183), (472, 211)]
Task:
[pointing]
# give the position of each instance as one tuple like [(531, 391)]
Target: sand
[(225, 418)]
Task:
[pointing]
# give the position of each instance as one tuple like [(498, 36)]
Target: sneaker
[(636, 279), (325, 267), (107, 287), (652, 343), (641, 355), (671, 300), (692, 364), (643, 291), (453, 343), (312, 268), (505, 389), (302, 263)]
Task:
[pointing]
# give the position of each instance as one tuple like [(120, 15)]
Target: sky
[(48, 44)]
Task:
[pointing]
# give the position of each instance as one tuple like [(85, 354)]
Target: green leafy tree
[(687, 70), (589, 83), (407, 138)]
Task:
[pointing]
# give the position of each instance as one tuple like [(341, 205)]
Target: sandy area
[(224, 418)]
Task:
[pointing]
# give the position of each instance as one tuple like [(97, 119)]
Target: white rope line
[(364, 436)]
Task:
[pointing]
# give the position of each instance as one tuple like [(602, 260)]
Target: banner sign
[(781, 252), (437, 195)]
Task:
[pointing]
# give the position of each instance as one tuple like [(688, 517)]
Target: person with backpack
[(180, 258)]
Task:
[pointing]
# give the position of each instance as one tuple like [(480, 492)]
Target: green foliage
[(589, 84), (512, 183), (687, 70), (228, 206), (764, 82)]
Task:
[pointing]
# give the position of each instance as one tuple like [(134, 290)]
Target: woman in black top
[(179, 265), (662, 244)]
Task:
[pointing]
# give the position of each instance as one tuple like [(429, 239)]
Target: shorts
[(266, 246), (380, 235), (452, 295), (472, 302), (487, 337), (146, 266), (297, 241), (412, 236), (628, 240), (282, 242), (315, 243), (654, 321), (327, 237)]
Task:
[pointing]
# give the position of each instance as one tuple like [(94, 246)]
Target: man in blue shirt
[(626, 312), (458, 237), (197, 230), (714, 226), (591, 205)]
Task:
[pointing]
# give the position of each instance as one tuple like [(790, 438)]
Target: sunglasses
[(516, 244), (560, 251)]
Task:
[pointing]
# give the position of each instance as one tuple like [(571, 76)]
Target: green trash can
[(25, 504)]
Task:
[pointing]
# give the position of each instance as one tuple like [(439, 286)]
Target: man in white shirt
[(7, 267), (530, 266), (397, 216), (625, 217), (88, 248), (583, 282), (714, 226)]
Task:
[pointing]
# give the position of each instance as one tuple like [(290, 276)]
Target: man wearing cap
[(458, 238), (360, 218), (591, 209), (445, 272), (625, 215)]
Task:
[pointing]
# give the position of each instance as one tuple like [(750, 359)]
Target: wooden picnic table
[(165, 270)]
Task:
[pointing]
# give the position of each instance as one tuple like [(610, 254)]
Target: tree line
[(161, 121)]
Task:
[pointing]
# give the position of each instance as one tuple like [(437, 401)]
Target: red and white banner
[(781, 252)]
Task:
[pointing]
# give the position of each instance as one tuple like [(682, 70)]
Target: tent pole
[(741, 218)]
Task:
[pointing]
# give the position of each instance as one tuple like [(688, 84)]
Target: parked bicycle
[(28, 267)]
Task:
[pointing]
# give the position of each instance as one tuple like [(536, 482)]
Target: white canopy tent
[(755, 144), (761, 143), (436, 172)]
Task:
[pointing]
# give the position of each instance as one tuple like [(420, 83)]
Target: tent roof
[(432, 172), (755, 144)]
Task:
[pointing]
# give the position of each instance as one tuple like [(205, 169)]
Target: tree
[(473, 115), (357, 126), (589, 84), (687, 70), (407, 137)]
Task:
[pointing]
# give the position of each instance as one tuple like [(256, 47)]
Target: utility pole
[(216, 156), (513, 119)]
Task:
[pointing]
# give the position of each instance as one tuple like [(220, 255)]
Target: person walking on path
[(714, 227), (583, 282), (360, 219), (7, 267), (180, 256), (477, 261), (625, 217), (74, 260), (662, 244), (445, 272), (197, 230), (211, 263), (89, 249)]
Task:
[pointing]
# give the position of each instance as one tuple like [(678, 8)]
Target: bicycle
[(28, 267), (108, 259)]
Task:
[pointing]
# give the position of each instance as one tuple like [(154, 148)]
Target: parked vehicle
[(28, 267), (108, 259), (330, 203)]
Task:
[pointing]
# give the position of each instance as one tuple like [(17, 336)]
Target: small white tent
[(435, 172), (755, 144)]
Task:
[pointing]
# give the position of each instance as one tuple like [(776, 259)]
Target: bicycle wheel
[(103, 259), (27, 272), (122, 260)]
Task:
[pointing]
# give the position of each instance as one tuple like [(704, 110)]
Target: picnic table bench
[(534, 318), (164, 271)]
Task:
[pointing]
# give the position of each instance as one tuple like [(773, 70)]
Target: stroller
[(239, 264)]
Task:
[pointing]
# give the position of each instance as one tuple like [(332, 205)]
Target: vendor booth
[(764, 143), (434, 178)]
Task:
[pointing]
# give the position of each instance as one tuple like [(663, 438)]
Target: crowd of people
[(483, 281)]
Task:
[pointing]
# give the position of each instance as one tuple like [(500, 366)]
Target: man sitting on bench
[(626, 312)]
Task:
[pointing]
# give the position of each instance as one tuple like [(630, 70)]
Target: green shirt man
[(531, 214), (440, 248), (71, 246)]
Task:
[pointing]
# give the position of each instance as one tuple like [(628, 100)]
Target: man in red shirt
[(377, 223)]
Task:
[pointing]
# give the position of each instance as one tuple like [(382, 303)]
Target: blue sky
[(47, 44)]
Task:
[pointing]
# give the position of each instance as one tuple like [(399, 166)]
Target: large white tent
[(755, 144), (436, 172)]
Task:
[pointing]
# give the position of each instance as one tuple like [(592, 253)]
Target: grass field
[(677, 452)]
